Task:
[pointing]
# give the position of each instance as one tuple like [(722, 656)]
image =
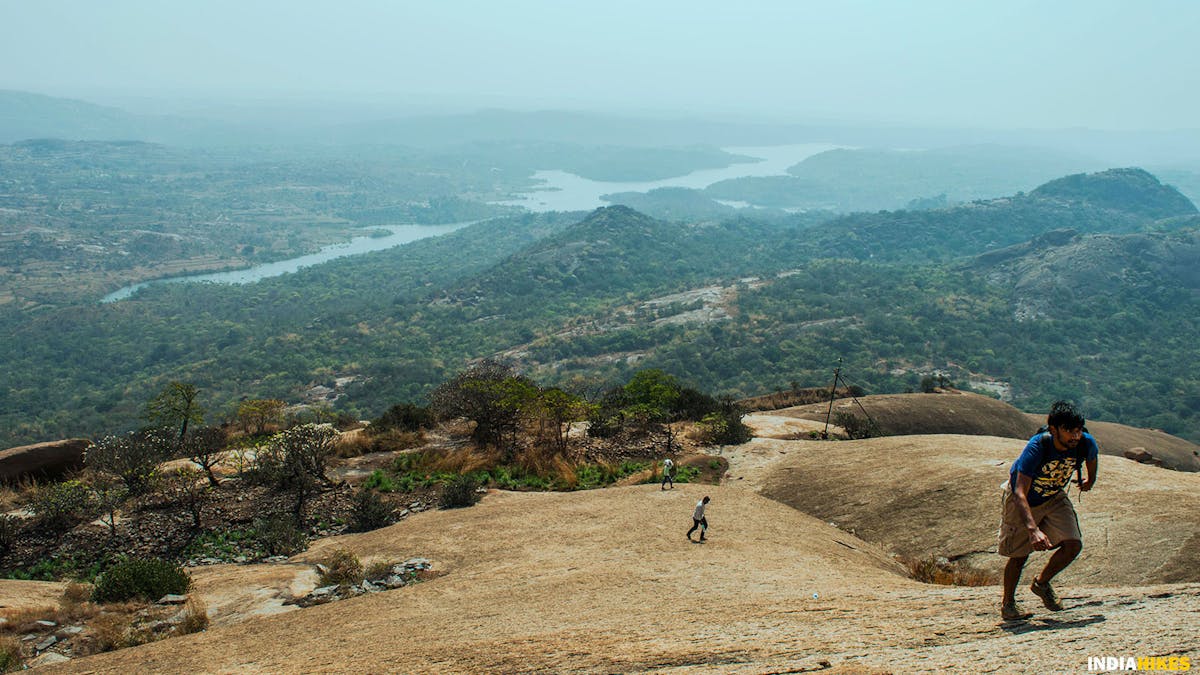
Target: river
[(400, 234)]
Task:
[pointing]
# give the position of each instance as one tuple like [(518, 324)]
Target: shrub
[(148, 579), (25, 619), (58, 506), (106, 632), (855, 427), (378, 570), (378, 480), (946, 573), (132, 457), (401, 417), (394, 440), (369, 511), (9, 526), (11, 657), (341, 567), (73, 595), (277, 534), (459, 492)]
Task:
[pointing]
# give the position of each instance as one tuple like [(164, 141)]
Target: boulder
[(42, 461), (1142, 456)]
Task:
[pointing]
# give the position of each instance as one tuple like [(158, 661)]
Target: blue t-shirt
[(1050, 469)]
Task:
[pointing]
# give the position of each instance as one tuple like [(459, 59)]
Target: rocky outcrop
[(397, 576), (1142, 456), (42, 461)]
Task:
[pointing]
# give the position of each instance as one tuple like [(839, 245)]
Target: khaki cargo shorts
[(1056, 518)]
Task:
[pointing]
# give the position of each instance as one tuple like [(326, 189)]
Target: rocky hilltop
[(804, 571)]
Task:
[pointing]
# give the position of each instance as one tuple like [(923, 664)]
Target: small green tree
[(491, 395), (132, 457), (295, 460), (554, 411), (259, 414), (652, 395), (109, 493), (176, 406)]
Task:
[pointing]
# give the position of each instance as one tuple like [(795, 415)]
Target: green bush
[(148, 579), (378, 480), (369, 511), (854, 426), (402, 417), (58, 506), (277, 534), (459, 492)]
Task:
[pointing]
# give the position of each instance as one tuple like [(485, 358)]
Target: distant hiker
[(1036, 513), (698, 519), (668, 474)]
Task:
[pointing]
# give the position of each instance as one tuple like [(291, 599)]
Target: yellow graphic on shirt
[(1055, 475)]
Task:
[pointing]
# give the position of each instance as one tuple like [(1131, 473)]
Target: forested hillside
[(740, 306)]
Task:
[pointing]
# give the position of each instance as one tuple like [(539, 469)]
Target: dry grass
[(379, 569), (944, 573), (105, 633), (11, 656), (15, 495), (392, 440), (352, 443), (24, 619), (195, 617), (786, 399), (341, 567), (73, 608), (462, 461)]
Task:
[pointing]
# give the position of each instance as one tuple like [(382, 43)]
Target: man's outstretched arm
[(1020, 493)]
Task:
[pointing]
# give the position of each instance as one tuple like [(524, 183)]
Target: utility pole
[(837, 372)]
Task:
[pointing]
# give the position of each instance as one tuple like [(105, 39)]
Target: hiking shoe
[(1011, 611), (1047, 594)]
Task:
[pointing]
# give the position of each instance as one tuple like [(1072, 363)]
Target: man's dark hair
[(1064, 415)]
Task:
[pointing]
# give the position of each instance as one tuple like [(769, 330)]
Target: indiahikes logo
[(1103, 664)]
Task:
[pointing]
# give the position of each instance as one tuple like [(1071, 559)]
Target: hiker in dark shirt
[(1036, 513), (699, 522)]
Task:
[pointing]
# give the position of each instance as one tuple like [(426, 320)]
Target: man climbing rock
[(1037, 515)]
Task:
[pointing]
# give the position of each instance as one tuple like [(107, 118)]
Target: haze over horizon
[(1102, 65)]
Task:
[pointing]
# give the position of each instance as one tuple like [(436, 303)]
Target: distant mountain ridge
[(1121, 189), (1112, 201)]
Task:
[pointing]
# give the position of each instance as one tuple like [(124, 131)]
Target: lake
[(564, 191)]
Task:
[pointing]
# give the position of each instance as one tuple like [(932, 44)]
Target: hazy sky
[(1008, 63)]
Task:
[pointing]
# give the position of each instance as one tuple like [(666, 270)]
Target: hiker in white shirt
[(698, 519), (668, 474)]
